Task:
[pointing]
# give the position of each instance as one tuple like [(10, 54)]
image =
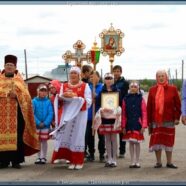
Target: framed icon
[(110, 100), (111, 41)]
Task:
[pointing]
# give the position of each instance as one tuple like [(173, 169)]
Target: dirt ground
[(96, 173)]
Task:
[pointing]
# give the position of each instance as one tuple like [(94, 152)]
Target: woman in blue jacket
[(43, 114)]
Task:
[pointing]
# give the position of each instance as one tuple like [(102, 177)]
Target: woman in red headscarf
[(163, 109), (54, 87)]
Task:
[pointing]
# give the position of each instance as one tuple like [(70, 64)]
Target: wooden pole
[(95, 60), (111, 59), (93, 99)]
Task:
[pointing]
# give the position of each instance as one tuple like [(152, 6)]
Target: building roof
[(38, 78)]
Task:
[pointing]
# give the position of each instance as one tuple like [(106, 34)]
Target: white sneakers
[(71, 166), (61, 161), (67, 162), (76, 167)]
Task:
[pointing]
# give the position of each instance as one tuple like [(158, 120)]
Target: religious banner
[(111, 43), (78, 56), (95, 54)]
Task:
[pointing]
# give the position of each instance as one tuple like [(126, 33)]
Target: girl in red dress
[(134, 122)]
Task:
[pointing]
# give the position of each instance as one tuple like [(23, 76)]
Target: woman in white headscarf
[(70, 133)]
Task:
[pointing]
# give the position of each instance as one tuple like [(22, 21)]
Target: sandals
[(158, 165)]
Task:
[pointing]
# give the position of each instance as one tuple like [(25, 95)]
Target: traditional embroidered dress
[(134, 117), (17, 126), (108, 122), (163, 128), (70, 134)]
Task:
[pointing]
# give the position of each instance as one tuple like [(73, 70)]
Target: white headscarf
[(76, 69)]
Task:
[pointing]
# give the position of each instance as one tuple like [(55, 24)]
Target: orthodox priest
[(18, 136)]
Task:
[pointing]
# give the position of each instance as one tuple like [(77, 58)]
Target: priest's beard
[(9, 74)]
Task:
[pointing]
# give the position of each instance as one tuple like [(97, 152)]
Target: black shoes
[(90, 158), (137, 165), (158, 165), (41, 161), (16, 165), (172, 166), (113, 165), (4, 165), (107, 164), (169, 165), (38, 161), (102, 158)]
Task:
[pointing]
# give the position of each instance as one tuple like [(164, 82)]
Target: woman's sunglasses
[(108, 78), (134, 86)]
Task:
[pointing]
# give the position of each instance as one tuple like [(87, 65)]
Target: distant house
[(60, 73), (34, 81)]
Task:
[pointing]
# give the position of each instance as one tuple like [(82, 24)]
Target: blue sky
[(154, 35)]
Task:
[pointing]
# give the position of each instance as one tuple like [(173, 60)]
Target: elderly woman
[(70, 133), (163, 110)]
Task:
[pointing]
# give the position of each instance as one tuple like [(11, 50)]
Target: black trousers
[(122, 147), (90, 141)]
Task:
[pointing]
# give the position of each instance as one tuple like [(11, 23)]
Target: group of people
[(73, 112)]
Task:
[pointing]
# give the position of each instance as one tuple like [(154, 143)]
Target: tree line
[(145, 84)]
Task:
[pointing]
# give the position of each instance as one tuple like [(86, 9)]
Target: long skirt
[(71, 141), (162, 137)]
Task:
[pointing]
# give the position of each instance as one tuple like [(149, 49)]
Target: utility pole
[(169, 76), (25, 64), (102, 75), (176, 74)]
